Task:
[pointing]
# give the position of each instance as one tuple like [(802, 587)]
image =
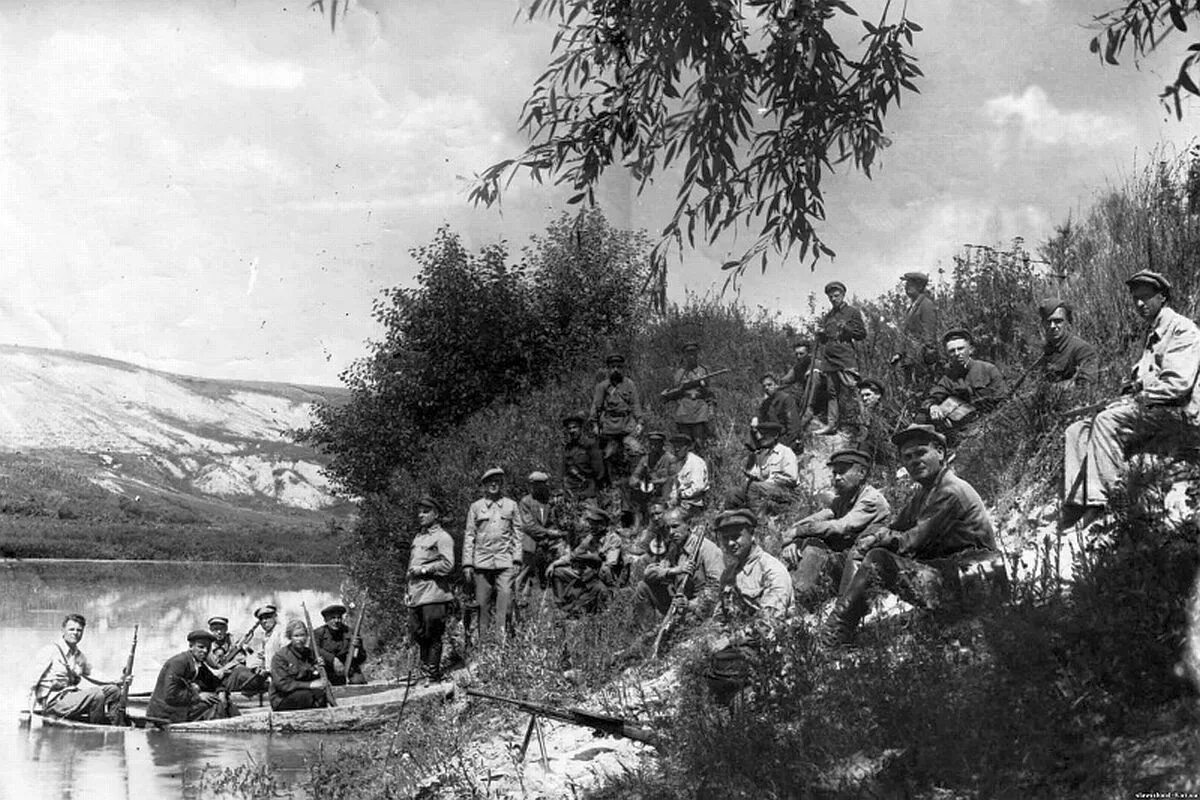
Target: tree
[(1143, 25), (474, 330), (757, 100)]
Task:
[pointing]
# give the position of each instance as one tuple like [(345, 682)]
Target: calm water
[(167, 601)]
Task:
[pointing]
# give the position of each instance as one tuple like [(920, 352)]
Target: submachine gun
[(676, 392), (601, 723)]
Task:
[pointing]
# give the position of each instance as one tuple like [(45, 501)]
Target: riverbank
[(302, 541)]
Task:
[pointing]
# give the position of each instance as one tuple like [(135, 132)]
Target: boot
[(838, 630), (831, 417)]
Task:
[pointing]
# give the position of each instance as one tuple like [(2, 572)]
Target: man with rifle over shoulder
[(1158, 402), (694, 400)]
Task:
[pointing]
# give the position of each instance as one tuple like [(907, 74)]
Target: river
[(166, 600)]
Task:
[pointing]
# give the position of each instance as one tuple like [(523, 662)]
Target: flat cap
[(494, 472), (537, 476), (850, 457), (769, 427), (916, 277), (265, 611), (332, 609), (958, 333), (918, 433), (575, 417), (735, 518), (1150, 278), (201, 636), (829, 287), (432, 503), (218, 620), (657, 435), (690, 346), (614, 358), (682, 438), (871, 383), (801, 343)]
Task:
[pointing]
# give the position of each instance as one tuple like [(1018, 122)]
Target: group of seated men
[(197, 683)]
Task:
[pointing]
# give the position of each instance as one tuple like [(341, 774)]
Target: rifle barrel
[(613, 726), (312, 644)]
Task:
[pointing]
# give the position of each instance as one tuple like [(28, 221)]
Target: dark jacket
[(840, 328), (616, 407), (981, 385), (944, 519), (583, 467), (290, 672), (920, 331), (782, 408), (178, 687), (337, 646), (1072, 359)]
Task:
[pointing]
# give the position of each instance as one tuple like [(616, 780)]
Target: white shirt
[(778, 465), (691, 482)]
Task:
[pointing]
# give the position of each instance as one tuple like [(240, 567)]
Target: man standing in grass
[(616, 417), (430, 562), (1159, 402), (492, 552), (63, 685), (693, 406), (840, 329)]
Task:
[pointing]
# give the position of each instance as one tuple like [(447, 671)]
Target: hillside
[(87, 440)]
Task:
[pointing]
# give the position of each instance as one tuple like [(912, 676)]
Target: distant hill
[(94, 439)]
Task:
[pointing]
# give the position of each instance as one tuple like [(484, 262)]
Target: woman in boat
[(296, 681)]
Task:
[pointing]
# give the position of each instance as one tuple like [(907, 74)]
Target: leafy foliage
[(1142, 25), (756, 101)]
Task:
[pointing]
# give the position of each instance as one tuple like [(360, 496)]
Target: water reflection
[(166, 601)]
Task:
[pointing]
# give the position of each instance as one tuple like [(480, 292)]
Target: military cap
[(1052, 304), (537, 476), (265, 611), (829, 287), (918, 433), (573, 417), (1151, 278), (850, 456), (333, 609), (656, 435), (432, 503), (690, 346), (916, 277), (682, 438), (958, 333), (614, 358), (594, 513), (735, 518), (770, 427), (219, 621), (201, 635), (871, 383), (801, 343), (494, 472)]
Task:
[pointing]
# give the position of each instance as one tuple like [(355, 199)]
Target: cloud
[(1039, 121), (243, 73)]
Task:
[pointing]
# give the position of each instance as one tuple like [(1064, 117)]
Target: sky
[(223, 188)]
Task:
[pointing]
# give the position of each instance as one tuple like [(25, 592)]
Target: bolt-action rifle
[(676, 392), (312, 645), (601, 723), (355, 641), (119, 715), (679, 600), (240, 647)]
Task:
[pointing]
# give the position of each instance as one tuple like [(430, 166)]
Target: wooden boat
[(360, 708)]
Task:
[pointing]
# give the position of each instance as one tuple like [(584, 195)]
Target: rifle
[(810, 385), (675, 392), (355, 641), (119, 716), (1088, 410), (241, 645), (312, 645), (680, 597), (602, 723)]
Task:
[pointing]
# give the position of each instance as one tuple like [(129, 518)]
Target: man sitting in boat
[(296, 681), (186, 689), (227, 660), (64, 687), (266, 641), (342, 653)]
